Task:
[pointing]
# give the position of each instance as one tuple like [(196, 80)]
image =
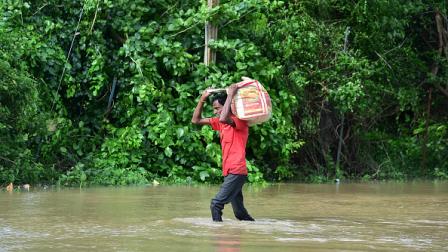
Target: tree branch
[(443, 47)]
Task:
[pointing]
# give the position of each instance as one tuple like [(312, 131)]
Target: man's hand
[(205, 94), (232, 89)]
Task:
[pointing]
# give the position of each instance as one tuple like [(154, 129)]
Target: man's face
[(217, 108)]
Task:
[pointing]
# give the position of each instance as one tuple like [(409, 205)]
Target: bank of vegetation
[(102, 91)]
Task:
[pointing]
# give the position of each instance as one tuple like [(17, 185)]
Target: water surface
[(289, 217)]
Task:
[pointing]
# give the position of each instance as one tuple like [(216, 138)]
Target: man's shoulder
[(214, 122), (239, 124)]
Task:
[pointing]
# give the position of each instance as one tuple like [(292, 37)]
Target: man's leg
[(229, 189), (238, 208)]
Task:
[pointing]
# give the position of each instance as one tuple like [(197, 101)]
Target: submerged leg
[(238, 208), (216, 209), (229, 189)]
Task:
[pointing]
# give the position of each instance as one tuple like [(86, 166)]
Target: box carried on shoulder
[(252, 102)]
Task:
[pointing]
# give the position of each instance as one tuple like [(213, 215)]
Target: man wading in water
[(233, 134)]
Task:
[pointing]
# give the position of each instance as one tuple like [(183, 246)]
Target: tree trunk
[(425, 138)]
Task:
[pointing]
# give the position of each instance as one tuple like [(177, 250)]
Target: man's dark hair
[(221, 97)]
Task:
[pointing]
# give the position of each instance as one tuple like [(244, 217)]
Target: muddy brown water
[(289, 217)]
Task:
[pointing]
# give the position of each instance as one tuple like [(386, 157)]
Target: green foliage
[(403, 157), (102, 92), (20, 124), (120, 159)]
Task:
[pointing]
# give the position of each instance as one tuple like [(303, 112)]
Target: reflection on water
[(289, 217)]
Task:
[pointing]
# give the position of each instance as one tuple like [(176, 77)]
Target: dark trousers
[(231, 191)]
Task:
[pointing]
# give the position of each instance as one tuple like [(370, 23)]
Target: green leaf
[(168, 152), (203, 175), (180, 132)]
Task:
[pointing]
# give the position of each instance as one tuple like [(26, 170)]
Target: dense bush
[(102, 92)]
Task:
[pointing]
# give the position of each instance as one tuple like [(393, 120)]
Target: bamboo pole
[(211, 33)]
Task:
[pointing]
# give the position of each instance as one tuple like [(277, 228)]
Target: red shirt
[(233, 145)]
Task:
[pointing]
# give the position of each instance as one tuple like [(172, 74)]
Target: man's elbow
[(194, 121), (223, 119)]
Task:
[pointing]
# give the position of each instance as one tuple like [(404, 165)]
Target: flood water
[(289, 217)]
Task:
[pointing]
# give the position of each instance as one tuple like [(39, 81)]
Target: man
[(233, 134)]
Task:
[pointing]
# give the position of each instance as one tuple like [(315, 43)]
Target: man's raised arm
[(197, 115), (226, 110)]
